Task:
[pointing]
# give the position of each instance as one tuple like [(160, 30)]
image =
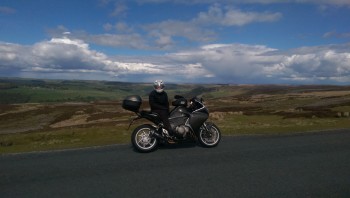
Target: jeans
[(164, 116)]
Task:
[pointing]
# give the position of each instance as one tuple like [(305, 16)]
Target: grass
[(40, 94), (75, 114), (64, 138), (271, 124), (97, 135)]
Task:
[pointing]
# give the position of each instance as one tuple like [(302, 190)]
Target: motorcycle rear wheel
[(142, 140), (211, 137)]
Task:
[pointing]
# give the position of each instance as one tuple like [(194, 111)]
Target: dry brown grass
[(248, 110)]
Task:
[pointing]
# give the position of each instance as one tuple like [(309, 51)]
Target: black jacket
[(158, 101)]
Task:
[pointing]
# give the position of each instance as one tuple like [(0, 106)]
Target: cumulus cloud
[(65, 56), (133, 40), (168, 34), (173, 28), (329, 63), (124, 38), (325, 2), (336, 34), (222, 63), (119, 27), (65, 53), (8, 52), (120, 9), (255, 63), (232, 62), (317, 2), (234, 17), (202, 27)]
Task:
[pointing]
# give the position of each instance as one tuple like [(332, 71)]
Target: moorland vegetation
[(55, 114)]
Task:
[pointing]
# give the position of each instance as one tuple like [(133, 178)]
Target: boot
[(175, 136)]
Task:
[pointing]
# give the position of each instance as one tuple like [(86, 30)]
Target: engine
[(182, 130), (178, 118)]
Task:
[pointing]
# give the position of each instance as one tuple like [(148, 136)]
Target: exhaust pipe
[(157, 135)]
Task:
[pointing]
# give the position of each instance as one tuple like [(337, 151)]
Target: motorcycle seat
[(148, 113)]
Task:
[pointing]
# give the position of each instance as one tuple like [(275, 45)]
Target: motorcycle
[(188, 122)]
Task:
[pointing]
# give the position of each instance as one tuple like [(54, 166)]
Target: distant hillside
[(55, 114), (38, 91), (18, 90)]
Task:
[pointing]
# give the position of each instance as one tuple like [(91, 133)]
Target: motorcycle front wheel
[(142, 139), (210, 135)]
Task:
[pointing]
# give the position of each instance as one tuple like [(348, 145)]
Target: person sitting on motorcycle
[(158, 100)]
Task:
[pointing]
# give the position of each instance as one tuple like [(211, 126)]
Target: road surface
[(308, 165)]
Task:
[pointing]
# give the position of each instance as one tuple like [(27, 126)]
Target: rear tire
[(142, 140), (211, 137)]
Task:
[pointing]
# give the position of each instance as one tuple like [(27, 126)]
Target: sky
[(178, 41)]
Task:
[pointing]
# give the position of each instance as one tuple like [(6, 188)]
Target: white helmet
[(158, 86)]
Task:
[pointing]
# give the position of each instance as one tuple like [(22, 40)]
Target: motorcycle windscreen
[(197, 119)]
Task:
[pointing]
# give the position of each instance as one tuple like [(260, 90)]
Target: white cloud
[(131, 40), (234, 17), (186, 30), (317, 2), (12, 56), (320, 63), (254, 63), (168, 34), (65, 56), (120, 9), (72, 58), (164, 41), (121, 27), (325, 2), (64, 53), (224, 63), (202, 27), (125, 36), (230, 61), (8, 52), (336, 35)]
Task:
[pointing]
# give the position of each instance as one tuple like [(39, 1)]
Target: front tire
[(142, 140), (210, 135)]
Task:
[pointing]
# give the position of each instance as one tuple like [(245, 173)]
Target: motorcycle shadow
[(177, 145), (168, 146)]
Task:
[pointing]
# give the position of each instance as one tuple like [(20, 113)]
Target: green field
[(38, 115)]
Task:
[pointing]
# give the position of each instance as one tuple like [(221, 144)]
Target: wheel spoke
[(210, 137), (144, 139)]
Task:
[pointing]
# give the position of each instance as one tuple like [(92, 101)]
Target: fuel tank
[(179, 112)]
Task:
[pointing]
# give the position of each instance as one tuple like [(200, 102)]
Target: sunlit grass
[(64, 138), (75, 114), (273, 124), (77, 137)]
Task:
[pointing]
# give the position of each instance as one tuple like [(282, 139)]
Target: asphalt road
[(313, 165)]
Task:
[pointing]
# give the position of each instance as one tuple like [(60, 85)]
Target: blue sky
[(179, 41)]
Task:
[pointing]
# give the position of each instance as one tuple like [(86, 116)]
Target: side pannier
[(132, 103)]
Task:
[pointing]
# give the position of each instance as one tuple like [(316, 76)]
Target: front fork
[(206, 127)]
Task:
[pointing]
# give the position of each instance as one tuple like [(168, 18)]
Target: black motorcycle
[(188, 122)]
